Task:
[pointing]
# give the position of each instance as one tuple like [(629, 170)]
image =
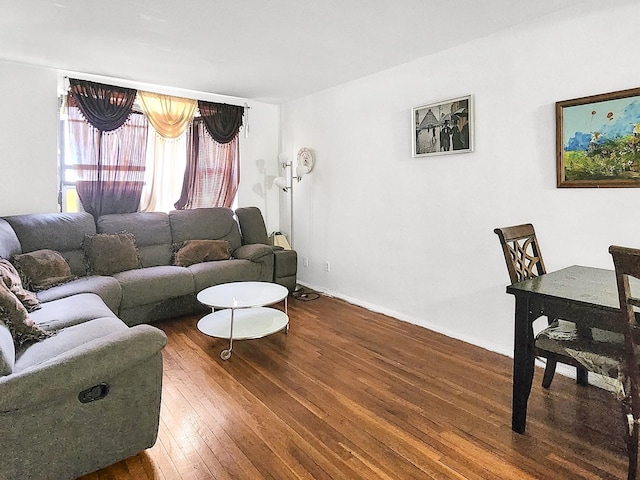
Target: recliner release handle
[(94, 393)]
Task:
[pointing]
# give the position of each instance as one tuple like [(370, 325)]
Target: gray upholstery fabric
[(63, 232), (285, 262), (9, 243), (108, 288), (152, 232), (285, 268), (154, 312), (252, 225), (152, 284), (224, 271), (205, 224), (7, 351), (48, 434), (67, 339), (69, 311)]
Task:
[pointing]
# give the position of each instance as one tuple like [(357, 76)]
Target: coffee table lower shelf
[(243, 324)]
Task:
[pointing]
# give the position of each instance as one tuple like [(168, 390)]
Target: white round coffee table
[(245, 313)]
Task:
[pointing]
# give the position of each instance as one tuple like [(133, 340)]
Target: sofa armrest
[(254, 252), (80, 368)]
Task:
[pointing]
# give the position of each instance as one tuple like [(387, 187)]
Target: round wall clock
[(305, 158)]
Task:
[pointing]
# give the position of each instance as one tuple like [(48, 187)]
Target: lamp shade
[(281, 183), (301, 170)]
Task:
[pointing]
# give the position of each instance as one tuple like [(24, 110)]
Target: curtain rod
[(245, 105)]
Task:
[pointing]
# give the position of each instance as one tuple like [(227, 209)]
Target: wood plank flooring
[(352, 394)]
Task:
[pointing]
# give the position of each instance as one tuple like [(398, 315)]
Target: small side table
[(245, 313)]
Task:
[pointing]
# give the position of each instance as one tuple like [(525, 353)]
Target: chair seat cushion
[(602, 353)]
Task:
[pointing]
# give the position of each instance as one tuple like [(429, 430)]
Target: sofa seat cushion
[(224, 271), (108, 288), (68, 311), (153, 284), (65, 340)]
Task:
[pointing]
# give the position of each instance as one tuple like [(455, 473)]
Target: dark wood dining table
[(585, 295)]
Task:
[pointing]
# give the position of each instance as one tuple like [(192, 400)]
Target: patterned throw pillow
[(106, 254), (42, 269), (11, 278), (198, 251), (16, 318)]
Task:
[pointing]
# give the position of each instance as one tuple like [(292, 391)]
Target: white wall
[(28, 133), (259, 162), (28, 141), (414, 237)]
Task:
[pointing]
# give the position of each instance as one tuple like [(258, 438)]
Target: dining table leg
[(523, 363)]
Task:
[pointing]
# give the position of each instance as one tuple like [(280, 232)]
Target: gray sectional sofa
[(89, 395)]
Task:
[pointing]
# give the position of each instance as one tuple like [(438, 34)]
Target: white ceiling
[(266, 50)]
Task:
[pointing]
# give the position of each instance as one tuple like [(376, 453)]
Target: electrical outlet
[(305, 261), (327, 266)]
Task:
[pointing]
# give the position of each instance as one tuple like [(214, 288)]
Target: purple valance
[(222, 121), (106, 107)]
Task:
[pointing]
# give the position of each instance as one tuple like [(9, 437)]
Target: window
[(136, 155)]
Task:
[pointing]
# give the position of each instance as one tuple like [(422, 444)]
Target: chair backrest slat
[(521, 252)]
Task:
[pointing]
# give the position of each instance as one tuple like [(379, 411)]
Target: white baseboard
[(561, 369)]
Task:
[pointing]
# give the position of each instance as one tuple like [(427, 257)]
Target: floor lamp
[(286, 183)]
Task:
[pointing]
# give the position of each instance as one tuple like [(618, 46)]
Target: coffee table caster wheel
[(225, 354)]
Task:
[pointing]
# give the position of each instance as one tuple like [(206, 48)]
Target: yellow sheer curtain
[(169, 116), (165, 171)]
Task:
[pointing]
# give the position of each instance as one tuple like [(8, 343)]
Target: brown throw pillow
[(16, 318), (198, 251), (11, 278), (106, 254), (42, 269)]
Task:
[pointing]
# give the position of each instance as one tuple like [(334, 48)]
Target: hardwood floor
[(351, 394)]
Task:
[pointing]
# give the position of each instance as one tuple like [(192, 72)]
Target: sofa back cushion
[(9, 243), (252, 226), (151, 231), (62, 232), (205, 224)]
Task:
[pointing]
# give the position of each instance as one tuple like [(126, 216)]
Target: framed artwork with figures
[(443, 128)]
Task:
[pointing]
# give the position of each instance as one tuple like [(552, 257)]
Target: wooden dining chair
[(627, 265), (524, 260)]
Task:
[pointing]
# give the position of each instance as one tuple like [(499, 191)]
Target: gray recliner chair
[(253, 229)]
